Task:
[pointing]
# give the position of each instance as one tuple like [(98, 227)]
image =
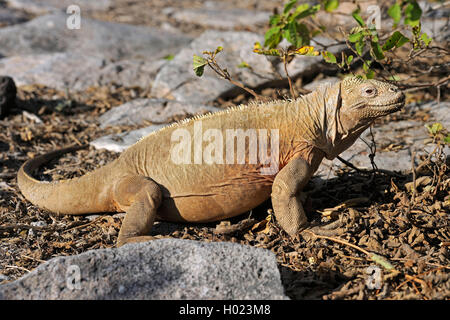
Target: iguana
[(205, 168)]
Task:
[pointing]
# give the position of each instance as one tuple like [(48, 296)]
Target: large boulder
[(49, 33), (76, 72), (177, 80), (139, 111), (159, 269)]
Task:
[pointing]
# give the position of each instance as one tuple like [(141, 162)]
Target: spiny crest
[(352, 81), (186, 121)]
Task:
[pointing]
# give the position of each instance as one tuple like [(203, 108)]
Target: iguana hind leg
[(140, 198), (286, 189)]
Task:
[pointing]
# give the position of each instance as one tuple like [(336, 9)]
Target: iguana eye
[(369, 91)]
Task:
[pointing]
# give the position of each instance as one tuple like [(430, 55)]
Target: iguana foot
[(287, 196), (140, 197), (122, 242)]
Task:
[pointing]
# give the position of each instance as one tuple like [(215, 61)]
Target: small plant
[(438, 133), (367, 36), (209, 59)]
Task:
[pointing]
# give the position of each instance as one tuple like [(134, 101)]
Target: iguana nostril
[(393, 89)]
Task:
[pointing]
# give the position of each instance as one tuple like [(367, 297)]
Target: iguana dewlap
[(220, 165)]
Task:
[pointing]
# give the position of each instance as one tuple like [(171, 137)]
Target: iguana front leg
[(140, 198), (286, 189)]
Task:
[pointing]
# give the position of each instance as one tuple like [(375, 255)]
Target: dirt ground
[(405, 234)]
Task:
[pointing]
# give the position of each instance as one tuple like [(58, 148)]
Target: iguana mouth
[(397, 104)]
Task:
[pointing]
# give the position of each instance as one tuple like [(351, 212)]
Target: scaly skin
[(148, 184)]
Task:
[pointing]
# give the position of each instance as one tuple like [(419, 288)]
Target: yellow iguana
[(220, 165)]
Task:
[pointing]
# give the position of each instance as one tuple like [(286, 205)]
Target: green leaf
[(435, 128), (349, 59), (412, 13), (272, 37), (447, 139), (376, 50), (303, 35), (257, 48), (331, 5), (329, 57), (354, 37), (304, 11), (395, 12), (301, 8), (370, 74), (426, 39), (291, 34), (274, 20), (199, 64), (244, 64), (396, 40), (359, 46), (169, 57), (289, 6), (394, 78), (382, 261), (358, 18)]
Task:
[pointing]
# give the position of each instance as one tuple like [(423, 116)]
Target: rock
[(56, 70), (130, 73), (10, 16), (220, 18), (120, 142), (45, 6), (159, 269), (342, 16), (107, 40), (63, 70), (138, 111), (3, 278), (434, 10), (437, 29), (8, 93), (439, 112), (177, 80)]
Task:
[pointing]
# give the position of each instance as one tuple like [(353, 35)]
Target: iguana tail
[(86, 194)]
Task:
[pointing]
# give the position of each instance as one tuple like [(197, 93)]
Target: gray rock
[(439, 112), (3, 278), (177, 80), (120, 142), (9, 17), (64, 70), (49, 33), (220, 18), (45, 6), (138, 111), (159, 269), (434, 10), (437, 29)]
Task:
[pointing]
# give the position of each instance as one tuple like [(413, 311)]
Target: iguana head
[(350, 107), (362, 101)]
